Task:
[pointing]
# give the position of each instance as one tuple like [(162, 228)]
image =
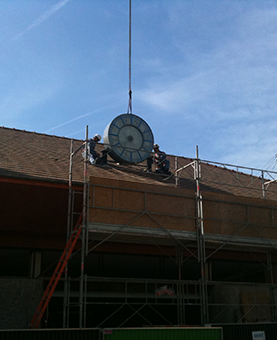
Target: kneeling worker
[(94, 156), (159, 159)]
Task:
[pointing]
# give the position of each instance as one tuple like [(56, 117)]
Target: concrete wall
[(19, 299)]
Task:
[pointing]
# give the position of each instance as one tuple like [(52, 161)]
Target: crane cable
[(130, 90)]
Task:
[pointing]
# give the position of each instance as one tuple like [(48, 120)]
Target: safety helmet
[(98, 137), (156, 146)]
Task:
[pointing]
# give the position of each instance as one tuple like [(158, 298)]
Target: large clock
[(129, 139)]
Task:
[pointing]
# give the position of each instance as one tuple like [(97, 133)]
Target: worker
[(159, 159), (162, 164), (94, 156)]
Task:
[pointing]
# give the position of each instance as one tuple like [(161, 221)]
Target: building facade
[(194, 248)]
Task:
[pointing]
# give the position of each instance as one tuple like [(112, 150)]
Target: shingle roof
[(39, 156)]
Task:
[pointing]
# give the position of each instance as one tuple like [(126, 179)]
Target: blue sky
[(204, 72)]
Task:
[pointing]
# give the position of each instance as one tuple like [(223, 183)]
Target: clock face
[(130, 138)]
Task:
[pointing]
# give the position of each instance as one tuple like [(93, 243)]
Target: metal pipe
[(201, 240), (82, 269), (176, 168), (263, 185), (68, 231)]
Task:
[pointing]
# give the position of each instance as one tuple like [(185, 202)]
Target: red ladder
[(56, 277)]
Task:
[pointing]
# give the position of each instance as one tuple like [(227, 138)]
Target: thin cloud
[(80, 117), (227, 83), (228, 91), (20, 103), (43, 18)]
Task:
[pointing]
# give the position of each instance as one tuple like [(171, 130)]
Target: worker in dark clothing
[(162, 164), (94, 156), (159, 159)]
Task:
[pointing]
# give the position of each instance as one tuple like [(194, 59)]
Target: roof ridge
[(39, 133)]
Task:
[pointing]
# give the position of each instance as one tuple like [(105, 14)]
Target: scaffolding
[(134, 297)]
